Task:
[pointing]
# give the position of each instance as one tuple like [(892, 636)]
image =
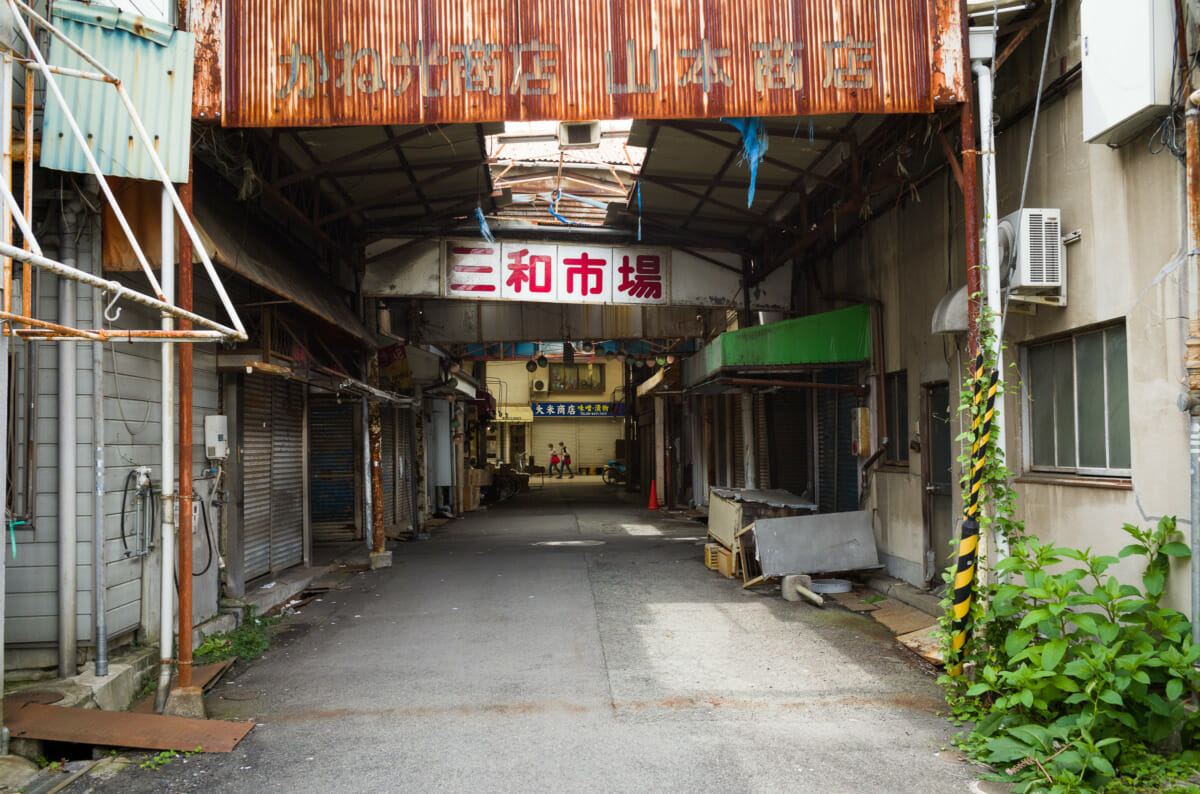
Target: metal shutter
[(552, 431), (256, 476), (388, 454), (597, 442), (404, 482), (788, 442), (838, 467), (762, 452), (287, 474), (739, 442), (331, 469)]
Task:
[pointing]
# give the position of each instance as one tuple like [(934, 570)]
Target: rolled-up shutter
[(790, 447), (331, 469), (388, 415), (256, 476), (838, 465)]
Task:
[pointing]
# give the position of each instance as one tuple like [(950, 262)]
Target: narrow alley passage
[(569, 640)]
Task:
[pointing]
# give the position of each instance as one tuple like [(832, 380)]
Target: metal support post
[(166, 637)]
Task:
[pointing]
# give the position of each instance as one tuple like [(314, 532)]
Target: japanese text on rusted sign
[(403, 61)]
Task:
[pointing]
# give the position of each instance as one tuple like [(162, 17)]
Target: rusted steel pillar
[(970, 185), (375, 436), (1193, 347), (185, 450)]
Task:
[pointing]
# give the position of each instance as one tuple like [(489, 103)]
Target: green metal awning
[(838, 337)]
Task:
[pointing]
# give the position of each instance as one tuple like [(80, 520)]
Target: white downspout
[(166, 617), (991, 260), (67, 525)]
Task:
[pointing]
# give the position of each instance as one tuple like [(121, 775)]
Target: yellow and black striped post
[(968, 547)]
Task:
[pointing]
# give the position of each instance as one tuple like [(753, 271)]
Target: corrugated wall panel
[(791, 422), (739, 443), (287, 474), (762, 449), (367, 62), (332, 445), (256, 476), (596, 442), (159, 82)]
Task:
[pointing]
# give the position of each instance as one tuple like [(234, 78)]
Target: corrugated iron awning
[(234, 246)]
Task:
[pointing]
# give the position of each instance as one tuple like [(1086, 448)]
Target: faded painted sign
[(556, 273), (315, 63)]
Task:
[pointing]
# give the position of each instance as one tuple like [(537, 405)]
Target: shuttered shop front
[(332, 468), (273, 484)]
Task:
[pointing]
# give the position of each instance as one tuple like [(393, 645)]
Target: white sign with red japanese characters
[(561, 273)]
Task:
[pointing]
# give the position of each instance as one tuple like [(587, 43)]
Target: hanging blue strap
[(639, 192), (554, 199), (483, 226), (754, 146)]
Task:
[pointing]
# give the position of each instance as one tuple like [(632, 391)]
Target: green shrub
[(1077, 674)]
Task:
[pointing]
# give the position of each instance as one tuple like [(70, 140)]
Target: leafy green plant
[(159, 760), (248, 641), (1078, 674)]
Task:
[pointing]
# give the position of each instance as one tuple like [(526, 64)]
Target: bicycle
[(614, 472)]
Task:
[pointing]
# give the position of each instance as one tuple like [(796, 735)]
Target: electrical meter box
[(216, 437), (1128, 57)]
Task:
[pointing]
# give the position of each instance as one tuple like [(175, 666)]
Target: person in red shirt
[(554, 462)]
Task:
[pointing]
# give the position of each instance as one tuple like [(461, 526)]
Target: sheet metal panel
[(287, 474), (159, 82), (827, 543), (207, 23), (256, 476), (366, 62)]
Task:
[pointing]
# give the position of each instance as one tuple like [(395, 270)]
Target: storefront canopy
[(837, 337)]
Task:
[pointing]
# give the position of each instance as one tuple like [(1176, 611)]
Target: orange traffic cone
[(653, 496)]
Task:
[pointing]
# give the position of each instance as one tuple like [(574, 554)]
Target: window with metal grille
[(1077, 404)]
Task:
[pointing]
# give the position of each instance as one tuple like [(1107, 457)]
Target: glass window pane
[(1064, 401), (1118, 399), (1040, 386), (1090, 398)]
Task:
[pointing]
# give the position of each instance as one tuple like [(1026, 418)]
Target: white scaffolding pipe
[(166, 636), (144, 137)]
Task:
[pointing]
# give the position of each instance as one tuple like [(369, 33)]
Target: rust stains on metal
[(124, 729), (368, 62), (948, 55), (206, 22)]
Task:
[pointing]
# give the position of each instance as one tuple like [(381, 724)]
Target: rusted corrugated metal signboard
[(350, 62)]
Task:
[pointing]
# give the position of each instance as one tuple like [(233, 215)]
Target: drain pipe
[(166, 630), (99, 578), (991, 242), (67, 529), (1193, 344)]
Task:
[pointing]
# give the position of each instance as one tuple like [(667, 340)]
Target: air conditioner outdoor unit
[(539, 386), (1032, 256), (579, 135)]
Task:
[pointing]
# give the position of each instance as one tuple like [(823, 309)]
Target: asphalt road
[(569, 641)]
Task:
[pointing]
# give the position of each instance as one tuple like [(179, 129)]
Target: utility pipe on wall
[(166, 618), (67, 528), (991, 237), (99, 561), (185, 454), (1193, 345)]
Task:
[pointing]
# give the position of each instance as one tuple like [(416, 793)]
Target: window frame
[(898, 440), (564, 368), (1026, 392)]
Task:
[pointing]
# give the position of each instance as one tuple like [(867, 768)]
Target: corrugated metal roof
[(159, 81)]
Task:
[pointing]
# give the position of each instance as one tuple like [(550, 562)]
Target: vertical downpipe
[(991, 237), (6, 87), (99, 579), (166, 635), (185, 453), (368, 507), (67, 529), (1193, 346)]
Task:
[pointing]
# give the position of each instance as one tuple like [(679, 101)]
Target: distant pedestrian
[(554, 462), (566, 461)]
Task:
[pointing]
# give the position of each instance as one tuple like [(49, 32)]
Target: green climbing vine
[(1075, 681)]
